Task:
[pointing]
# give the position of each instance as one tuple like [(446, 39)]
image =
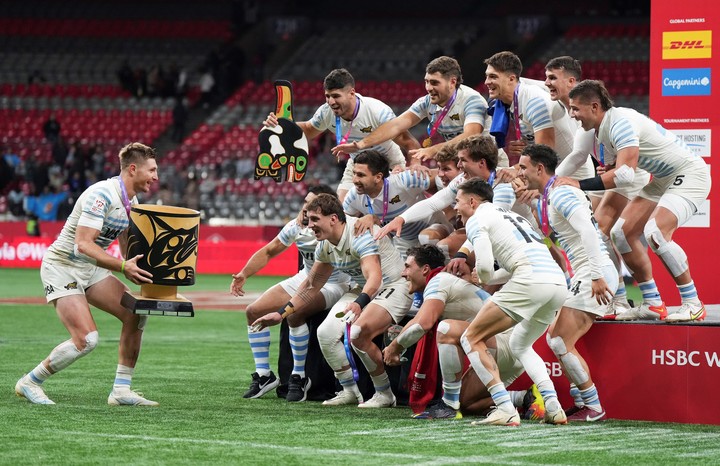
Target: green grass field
[(197, 368)]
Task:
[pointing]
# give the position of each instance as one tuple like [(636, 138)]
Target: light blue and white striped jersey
[(662, 153), (305, 240), (404, 190), (469, 107), (100, 207), (371, 115), (538, 112), (462, 299), (570, 216), (345, 256), (515, 246)]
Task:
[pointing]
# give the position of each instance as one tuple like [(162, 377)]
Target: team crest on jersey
[(455, 117), (98, 206), (49, 289), (71, 286), (367, 129), (395, 199)]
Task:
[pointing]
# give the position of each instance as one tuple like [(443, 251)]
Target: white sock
[(123, 377), (39, 374)]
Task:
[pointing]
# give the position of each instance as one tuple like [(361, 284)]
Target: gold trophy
[(167, 237)]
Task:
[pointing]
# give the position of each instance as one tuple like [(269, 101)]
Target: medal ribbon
[(601, 159), (125, 199), (385, 201), (491, 180), (432, 128), (516, 114), (543, 207), (338, 131), (348, 353)]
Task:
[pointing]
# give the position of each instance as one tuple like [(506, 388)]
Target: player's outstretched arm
[(256, 263)]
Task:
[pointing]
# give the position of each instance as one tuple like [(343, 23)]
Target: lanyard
[(125, 199), (339, 138), (385, 201), (432, 128), (516, 114), (600, 159), (543, 207)]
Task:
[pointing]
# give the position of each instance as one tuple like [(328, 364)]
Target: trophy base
[(177, 307)]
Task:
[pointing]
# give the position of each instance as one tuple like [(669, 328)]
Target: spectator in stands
[(16, 199), (207, 84), (180, 116), (191, 195), (45, 206), (7, 170), (127, 77), (51, 129), (36, 77), (463, 106), (165, 196), (32, 226), (351, 115)]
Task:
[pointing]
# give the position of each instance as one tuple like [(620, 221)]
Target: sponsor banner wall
[(683, 98), (648, 372), (213, 256)]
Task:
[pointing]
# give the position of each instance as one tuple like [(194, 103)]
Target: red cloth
[(423, 372), (424, 368)]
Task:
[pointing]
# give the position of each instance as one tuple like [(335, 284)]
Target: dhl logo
[(678, 45)]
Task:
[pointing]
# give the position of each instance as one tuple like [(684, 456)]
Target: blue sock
[(650, 293), (260, 346), (501, 397), (591, 399), (688, 293), (299, 338)]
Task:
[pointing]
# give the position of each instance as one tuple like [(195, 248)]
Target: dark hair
[(477, 187), (134, 153), (427, 254), (447, 67), (327, 204), (376, 162), (588, 90), (447, 153), (322, 189), (480, 147), (338, 79), (566, 63), (506, 62), (542, 154)]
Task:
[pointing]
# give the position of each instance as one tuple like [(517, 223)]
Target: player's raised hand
[(364, 224), (236, 286), (458, 267), (395, 226), (271, 121), (344, 149), (422, 154), (134, 273), (506, 174)]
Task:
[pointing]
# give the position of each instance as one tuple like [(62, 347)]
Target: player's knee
[(556, 344), (669, 252), (465, 343), (617, 233), (442, 332), (328, 333), (91, 341), (252, 314)]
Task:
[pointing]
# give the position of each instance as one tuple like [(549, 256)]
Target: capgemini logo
[(686, 81)]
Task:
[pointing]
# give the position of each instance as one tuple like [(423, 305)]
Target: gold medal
[(427, 142)]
